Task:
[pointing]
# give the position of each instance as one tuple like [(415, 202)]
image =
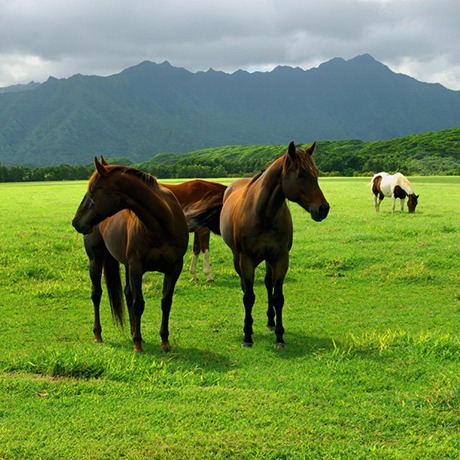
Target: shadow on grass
[(298, 345)]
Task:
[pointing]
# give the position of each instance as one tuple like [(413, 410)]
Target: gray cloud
[(41, 38)]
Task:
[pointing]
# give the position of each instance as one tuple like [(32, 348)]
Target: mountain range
[(153, 108)]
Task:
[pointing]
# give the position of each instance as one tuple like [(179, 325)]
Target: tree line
[(435, 153)]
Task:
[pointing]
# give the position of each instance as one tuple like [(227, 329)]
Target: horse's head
[(300, 181), (412, 201), (102, 200)]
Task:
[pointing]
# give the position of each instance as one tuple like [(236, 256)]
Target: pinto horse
[(255, 222), (189, 194), (128, 218), (396, 186)]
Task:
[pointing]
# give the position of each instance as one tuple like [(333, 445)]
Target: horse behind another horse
[(396, 186)]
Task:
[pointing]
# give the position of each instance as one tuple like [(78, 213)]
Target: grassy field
[(371, 368)]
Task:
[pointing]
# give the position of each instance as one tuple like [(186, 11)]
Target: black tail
[(114, 288), (208, 217)]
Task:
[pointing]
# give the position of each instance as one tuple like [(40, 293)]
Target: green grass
[(371, 368)]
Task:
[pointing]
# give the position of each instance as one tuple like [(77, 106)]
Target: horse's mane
[(254, 178), (305, 162), (144, 177)]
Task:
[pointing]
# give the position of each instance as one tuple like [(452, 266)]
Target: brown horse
[(256, 224), (128, 218), (189, 194)]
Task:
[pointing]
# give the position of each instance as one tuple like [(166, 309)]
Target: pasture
[(371, 368)]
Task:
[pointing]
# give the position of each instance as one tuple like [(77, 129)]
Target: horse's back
[(382, 183), (196, 190)]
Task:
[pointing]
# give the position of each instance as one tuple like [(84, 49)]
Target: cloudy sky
[(59, 38)]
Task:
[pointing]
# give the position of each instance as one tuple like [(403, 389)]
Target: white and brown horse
[(396, 186)]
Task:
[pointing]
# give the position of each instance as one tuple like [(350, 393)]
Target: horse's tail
[(208, 217), (114, 288)]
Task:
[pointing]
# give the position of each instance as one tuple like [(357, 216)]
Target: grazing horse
[(128, 218), (396, 186), (189, 194), (255, 222)]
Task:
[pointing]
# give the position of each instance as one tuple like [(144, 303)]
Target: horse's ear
[(103, 161), (292, 150), (100, 168), (311, 149)]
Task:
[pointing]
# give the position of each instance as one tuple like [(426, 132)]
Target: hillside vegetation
[(436, 153), (423, 154)]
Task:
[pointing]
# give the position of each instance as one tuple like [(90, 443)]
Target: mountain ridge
[(152, 108)]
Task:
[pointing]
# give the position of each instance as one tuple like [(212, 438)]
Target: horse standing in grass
[(255, 222), (396, 186), (189, 194), (128, 218)]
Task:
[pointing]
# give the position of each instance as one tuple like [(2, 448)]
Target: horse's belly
[(385, 187)]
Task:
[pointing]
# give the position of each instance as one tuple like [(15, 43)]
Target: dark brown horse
[(189, 194), (256, 224), (128, 218)]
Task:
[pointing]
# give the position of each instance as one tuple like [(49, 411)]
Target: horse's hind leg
[(137, 308), (169, 283), (204, 235), (129, 300)]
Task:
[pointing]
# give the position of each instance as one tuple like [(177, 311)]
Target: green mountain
[(152, 108), (426, 154)]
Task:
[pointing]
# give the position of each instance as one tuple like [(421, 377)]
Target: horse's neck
[(149, 207), (404, 184), (270, 196)]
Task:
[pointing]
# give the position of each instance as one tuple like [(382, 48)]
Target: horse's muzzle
[(81, 228), (320, 213)]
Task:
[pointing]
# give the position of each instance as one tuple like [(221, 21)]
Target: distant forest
[(434, 153)]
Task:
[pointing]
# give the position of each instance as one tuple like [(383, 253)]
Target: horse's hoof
[(98, 340), (138, 349), (210, 280), (247, 344), (165, 347), (280, 345), (270, 328)]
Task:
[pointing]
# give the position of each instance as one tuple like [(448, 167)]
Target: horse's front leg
[(393, 203), (279, 273), (246, 271), (95, 273), (137, 308), (402, 204), (269, 287), (169, 284)]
